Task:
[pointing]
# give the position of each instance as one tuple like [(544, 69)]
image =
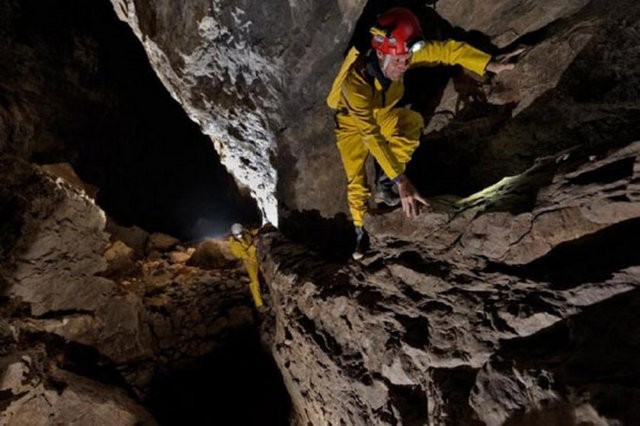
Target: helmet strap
[(385, 64)]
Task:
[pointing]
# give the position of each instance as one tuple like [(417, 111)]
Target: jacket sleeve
[(334, 94), (357, 96), (452, 52)]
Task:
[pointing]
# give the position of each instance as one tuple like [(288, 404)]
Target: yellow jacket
[(245, 247), (362, 100)]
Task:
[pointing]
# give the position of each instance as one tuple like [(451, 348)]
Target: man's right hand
[(409, 197)]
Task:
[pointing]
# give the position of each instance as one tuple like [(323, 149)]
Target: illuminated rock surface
[(513, 299)]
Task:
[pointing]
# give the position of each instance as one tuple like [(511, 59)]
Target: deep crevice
[(208, 390), (100, 106), (608, 173), (592, 258), (411, 402), (416, 331)]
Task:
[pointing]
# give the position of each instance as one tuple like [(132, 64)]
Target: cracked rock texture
[(252, 76), (472, 312), (83, 314), (255, 79)]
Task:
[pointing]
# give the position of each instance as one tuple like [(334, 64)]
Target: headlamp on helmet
[(236, 230), (397, 32)]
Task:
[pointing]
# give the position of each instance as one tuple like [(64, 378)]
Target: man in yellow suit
[(243, 246), (365, 94)]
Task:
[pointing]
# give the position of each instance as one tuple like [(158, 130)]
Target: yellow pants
[(254, 286), (401, 128)]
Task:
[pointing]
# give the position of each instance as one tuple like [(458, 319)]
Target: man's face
[(394, 66)]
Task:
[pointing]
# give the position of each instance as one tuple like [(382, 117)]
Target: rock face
[(254, 77), (55, 396), (81, 314), (474, 312), (512, 301), (77, 88)]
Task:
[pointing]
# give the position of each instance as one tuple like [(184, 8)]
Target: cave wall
[(478, 312), (88, 323), (254, 77), (76, 87)]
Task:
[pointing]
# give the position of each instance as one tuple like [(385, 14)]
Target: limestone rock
[(464, 313), (59, 397), (212, 254), (133, 236), (161, 242), (65, 171)]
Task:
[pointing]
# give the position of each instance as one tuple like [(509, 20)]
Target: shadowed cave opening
[(238, 384), (121, 129), (85, 93)]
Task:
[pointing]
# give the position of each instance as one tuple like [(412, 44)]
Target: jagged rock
[(161, 242), (54, 262), (54, 396), (65, 171), (453, 291), (505, 22), (119, 259), (133, 236), (212, 254)]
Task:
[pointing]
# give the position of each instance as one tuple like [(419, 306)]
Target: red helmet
[(397, 32)]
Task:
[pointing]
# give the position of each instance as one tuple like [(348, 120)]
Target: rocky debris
[(161, 242), (91, 307), (471, 311), (119, 257), (212, 254), (132, 236), (44, 394)]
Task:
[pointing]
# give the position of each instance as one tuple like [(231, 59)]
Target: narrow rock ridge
[(431, 329)]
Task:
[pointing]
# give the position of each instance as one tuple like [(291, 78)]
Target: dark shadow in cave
[(238, 384), (591, 107), (154, 167), (593, 354), (592, 258), (334, 238)]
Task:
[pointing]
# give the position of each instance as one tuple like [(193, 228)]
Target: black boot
[(386, 191)]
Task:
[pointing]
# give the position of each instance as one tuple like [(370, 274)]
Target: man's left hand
[(502, 62)]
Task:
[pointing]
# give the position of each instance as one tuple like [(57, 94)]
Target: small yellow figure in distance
[(243, 246)]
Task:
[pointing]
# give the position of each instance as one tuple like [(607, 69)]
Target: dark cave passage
[(238, 384), (117, 124)]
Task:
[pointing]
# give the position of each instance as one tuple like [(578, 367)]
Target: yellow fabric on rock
[(367, 121), (244, 249)]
